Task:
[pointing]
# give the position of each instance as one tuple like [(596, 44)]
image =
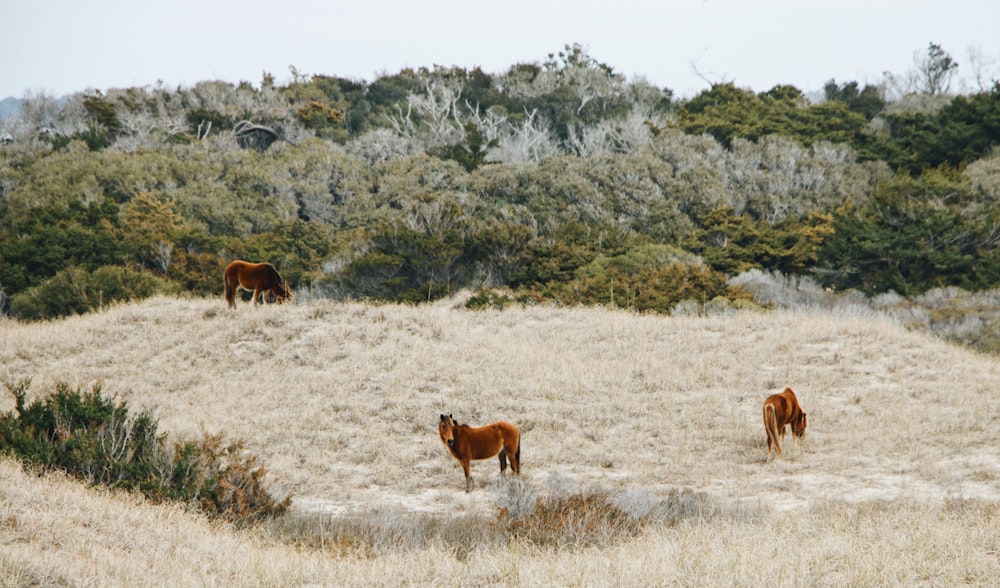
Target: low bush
[(100, 441), (576, 519), (490, 299), (573, 516)]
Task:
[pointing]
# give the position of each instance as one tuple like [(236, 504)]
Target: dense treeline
[(554, 181)]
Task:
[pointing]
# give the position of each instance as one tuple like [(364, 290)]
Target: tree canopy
[(560, 180)]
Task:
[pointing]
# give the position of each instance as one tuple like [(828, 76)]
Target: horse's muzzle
[(450, 442)]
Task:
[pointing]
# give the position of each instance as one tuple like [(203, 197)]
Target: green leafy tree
[(347, 96), (55, 237), (149, 226), (501, 249), (471, 152), (727, 112), (556, 258), (964, 130), (75, 291), (733, 244), (406, 265), (298, 248), (647, 277), (867, 101), (320, 117), (203, 121), (197, 267), (653, 289), (913, 235)]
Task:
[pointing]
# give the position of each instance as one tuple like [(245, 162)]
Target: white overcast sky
[(65, 46)]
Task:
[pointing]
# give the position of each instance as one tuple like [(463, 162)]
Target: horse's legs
[(777, 443), (515, 459), (237, 293), (229, 291), (503, 461), (468, 476), (256, 293)]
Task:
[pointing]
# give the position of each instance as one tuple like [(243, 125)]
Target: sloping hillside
[(341, 400), (895, 483)]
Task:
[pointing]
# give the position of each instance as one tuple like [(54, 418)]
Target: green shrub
[(404, 265), (489, 299), (98, 440), (652, 288), (75, 291)]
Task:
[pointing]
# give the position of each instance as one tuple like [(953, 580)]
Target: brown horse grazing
[(781, 410), (259, 277), (468, 443)]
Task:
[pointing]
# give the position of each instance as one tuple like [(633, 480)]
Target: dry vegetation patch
[(637, 414)]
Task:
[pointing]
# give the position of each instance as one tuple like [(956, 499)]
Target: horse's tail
[(771, 426), (230, 288)]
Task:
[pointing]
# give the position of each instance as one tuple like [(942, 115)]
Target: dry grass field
[(897, 481)]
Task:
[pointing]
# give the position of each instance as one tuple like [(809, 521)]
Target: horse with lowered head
[(781, 410), (261, 278), (467, 443)]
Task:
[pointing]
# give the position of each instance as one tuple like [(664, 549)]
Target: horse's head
[(446, 429), (799, 425), (283, 292)]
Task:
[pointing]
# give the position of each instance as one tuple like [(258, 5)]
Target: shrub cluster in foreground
[(98, 440)]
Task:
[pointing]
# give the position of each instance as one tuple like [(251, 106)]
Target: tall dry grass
[(896, 481)]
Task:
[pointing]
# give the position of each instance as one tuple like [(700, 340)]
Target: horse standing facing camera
[(467, 443)]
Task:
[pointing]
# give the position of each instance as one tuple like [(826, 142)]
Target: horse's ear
[(442, 417)]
